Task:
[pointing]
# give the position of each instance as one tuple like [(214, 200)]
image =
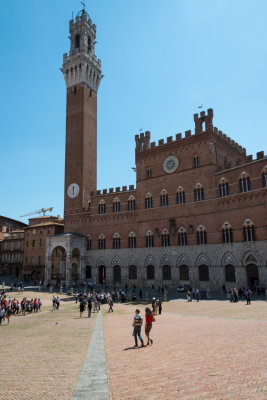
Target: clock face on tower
[(170, 164), (73, 190)]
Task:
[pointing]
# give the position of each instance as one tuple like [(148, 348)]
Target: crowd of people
[(197, 294), (10, 306), (241, 294)]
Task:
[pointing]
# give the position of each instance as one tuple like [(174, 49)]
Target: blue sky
[(161, 60)]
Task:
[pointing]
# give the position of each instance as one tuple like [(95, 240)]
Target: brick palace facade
[(197, 214)]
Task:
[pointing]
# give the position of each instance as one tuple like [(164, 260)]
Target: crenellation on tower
[(82, 65)]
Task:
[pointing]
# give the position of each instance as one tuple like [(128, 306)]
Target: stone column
[(68, 268), (124, 275), (94, 274), (109, 275), (82, 268), (48, 265)]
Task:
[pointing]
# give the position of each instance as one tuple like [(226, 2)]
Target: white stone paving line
[(93, 383)]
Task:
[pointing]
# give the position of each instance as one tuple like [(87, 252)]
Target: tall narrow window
[(245, 185), (89, 43), (150, 272), (149, 201), (249, 232), (149, 173), (116, 205), (201, 235), (101, 242), (116, 241), (180, 196), (196, 161), (101, 207), (182, 237), (264, 179), (227, 233), (199, 193), (184, 273), (77, 41), (132, 241), (224, 189), (89, 244), (165, 238), (164, 201), (131, 204), (149, 239)]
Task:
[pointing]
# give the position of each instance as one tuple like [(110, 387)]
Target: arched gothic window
[(201, 235), (149, 201), (149, 239), (184, 273), (131, 204), (244, 182), (230, 273), (150, 272), (102, 207), (101, 242), (132, 272), (223, 188), (182, 237), (249, 231), (203, 273), (164, 201), (180, 196), (89, 243), (166, 273), (199, 193), (227, 233), (132, 241), (165, 238), (77, 41), (116, 205), (116, 241)]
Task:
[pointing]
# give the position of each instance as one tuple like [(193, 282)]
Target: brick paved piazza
[(207, 350)]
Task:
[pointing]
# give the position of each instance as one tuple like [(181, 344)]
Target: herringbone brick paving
[(193, 357), (41, 360)]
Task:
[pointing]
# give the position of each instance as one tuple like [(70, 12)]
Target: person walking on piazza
[(58, 302), (160, 306), (83, 302), (153, 303), (2, 314), (248, 296), (110, 302), (157, 307), (89, 306), (137, 324), (149, 319)]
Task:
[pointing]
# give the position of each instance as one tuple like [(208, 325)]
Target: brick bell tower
[(82, 73)]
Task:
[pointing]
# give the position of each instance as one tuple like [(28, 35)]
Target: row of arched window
[(224, 190), (184, 270), (201, 237)]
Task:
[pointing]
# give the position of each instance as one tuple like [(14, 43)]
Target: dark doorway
[(117, 274), (252, 275), (88, 272), (102, 274), (17, 272)]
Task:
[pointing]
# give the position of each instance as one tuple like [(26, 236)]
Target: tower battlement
[(81, 64), (203, 125)]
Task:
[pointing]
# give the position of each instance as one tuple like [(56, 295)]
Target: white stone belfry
[(81, 65)]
